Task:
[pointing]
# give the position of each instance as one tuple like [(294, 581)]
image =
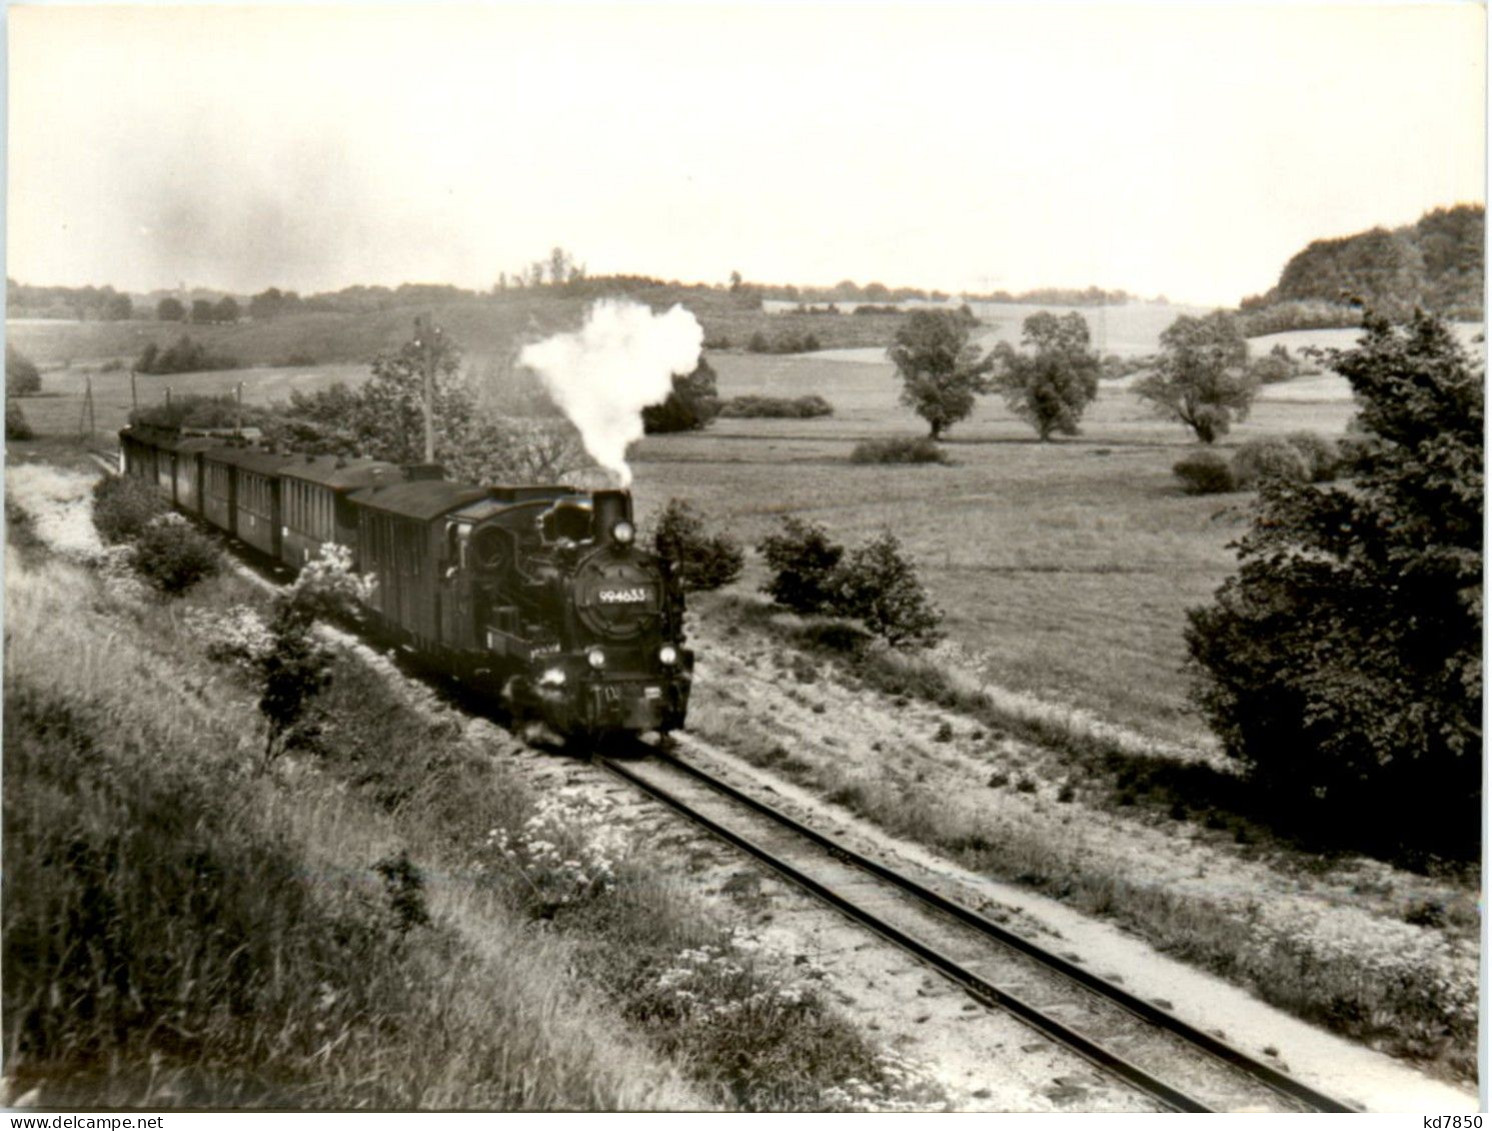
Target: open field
[(1065, 568)]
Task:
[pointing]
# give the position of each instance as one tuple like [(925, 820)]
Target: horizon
[(1159, 150)]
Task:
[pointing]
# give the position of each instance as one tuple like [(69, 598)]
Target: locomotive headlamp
[(597, 658), (668, 654), (622, 533)]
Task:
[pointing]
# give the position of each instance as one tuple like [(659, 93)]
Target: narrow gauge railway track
[(1113, 1029)]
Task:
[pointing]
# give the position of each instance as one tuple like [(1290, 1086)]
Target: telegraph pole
[(85, 414), (425, 334)]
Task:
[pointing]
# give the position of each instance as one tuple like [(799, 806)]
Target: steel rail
[(1236, 1058), (972, 983)]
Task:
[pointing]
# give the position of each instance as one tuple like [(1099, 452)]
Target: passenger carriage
[(316, 507)]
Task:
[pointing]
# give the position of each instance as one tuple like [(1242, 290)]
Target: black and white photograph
[(744, 558)]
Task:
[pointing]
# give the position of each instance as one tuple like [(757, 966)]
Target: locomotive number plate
[(652, 693), (636, 596)]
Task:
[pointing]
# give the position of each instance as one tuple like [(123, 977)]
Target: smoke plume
[(604, 374)]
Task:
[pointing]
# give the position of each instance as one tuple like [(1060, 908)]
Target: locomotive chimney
[(610, 507)]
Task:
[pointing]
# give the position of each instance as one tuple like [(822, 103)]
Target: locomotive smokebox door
[(611, 507)]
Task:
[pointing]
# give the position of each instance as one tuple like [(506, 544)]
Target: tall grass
[(166, 943)]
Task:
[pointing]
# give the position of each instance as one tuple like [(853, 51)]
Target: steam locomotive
[(536, 594)]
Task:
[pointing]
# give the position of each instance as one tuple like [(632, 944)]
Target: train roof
[(191, 444), (250, 459), (342, 474), (500, 499), (422, 500), (493, 504)]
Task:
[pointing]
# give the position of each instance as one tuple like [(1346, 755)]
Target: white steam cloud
[(604, 374)]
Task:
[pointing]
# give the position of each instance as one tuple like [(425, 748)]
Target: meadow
[(1065, 568)]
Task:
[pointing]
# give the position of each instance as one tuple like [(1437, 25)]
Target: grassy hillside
[(486, 328), (396, 914)]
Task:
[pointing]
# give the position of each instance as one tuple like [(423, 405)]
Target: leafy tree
[(878, 586), (563, 268), (691, 404), (266, 304), (118, 308), (203, 311), (22, 377), (388, 418), (1342, 664), (700, 560), (170, 310), (384, 419), (1201, 376), (227, 309), (802, 559), (505, 449), (1052, 386), (940, 370)]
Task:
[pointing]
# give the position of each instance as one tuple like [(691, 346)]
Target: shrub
[(1269, 458), (901, 449), (691, 404), (803, 560), (700, 560), (295, 670), (173, 557), (17, 427), (1321, 455), (785, 408), (788, 342), (22, 378), (1204, 473), (873, 584), (878, 586), (196, 411), (183, 356), (123, 506)]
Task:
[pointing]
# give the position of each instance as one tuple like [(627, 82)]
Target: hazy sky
[(1184, 149)]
